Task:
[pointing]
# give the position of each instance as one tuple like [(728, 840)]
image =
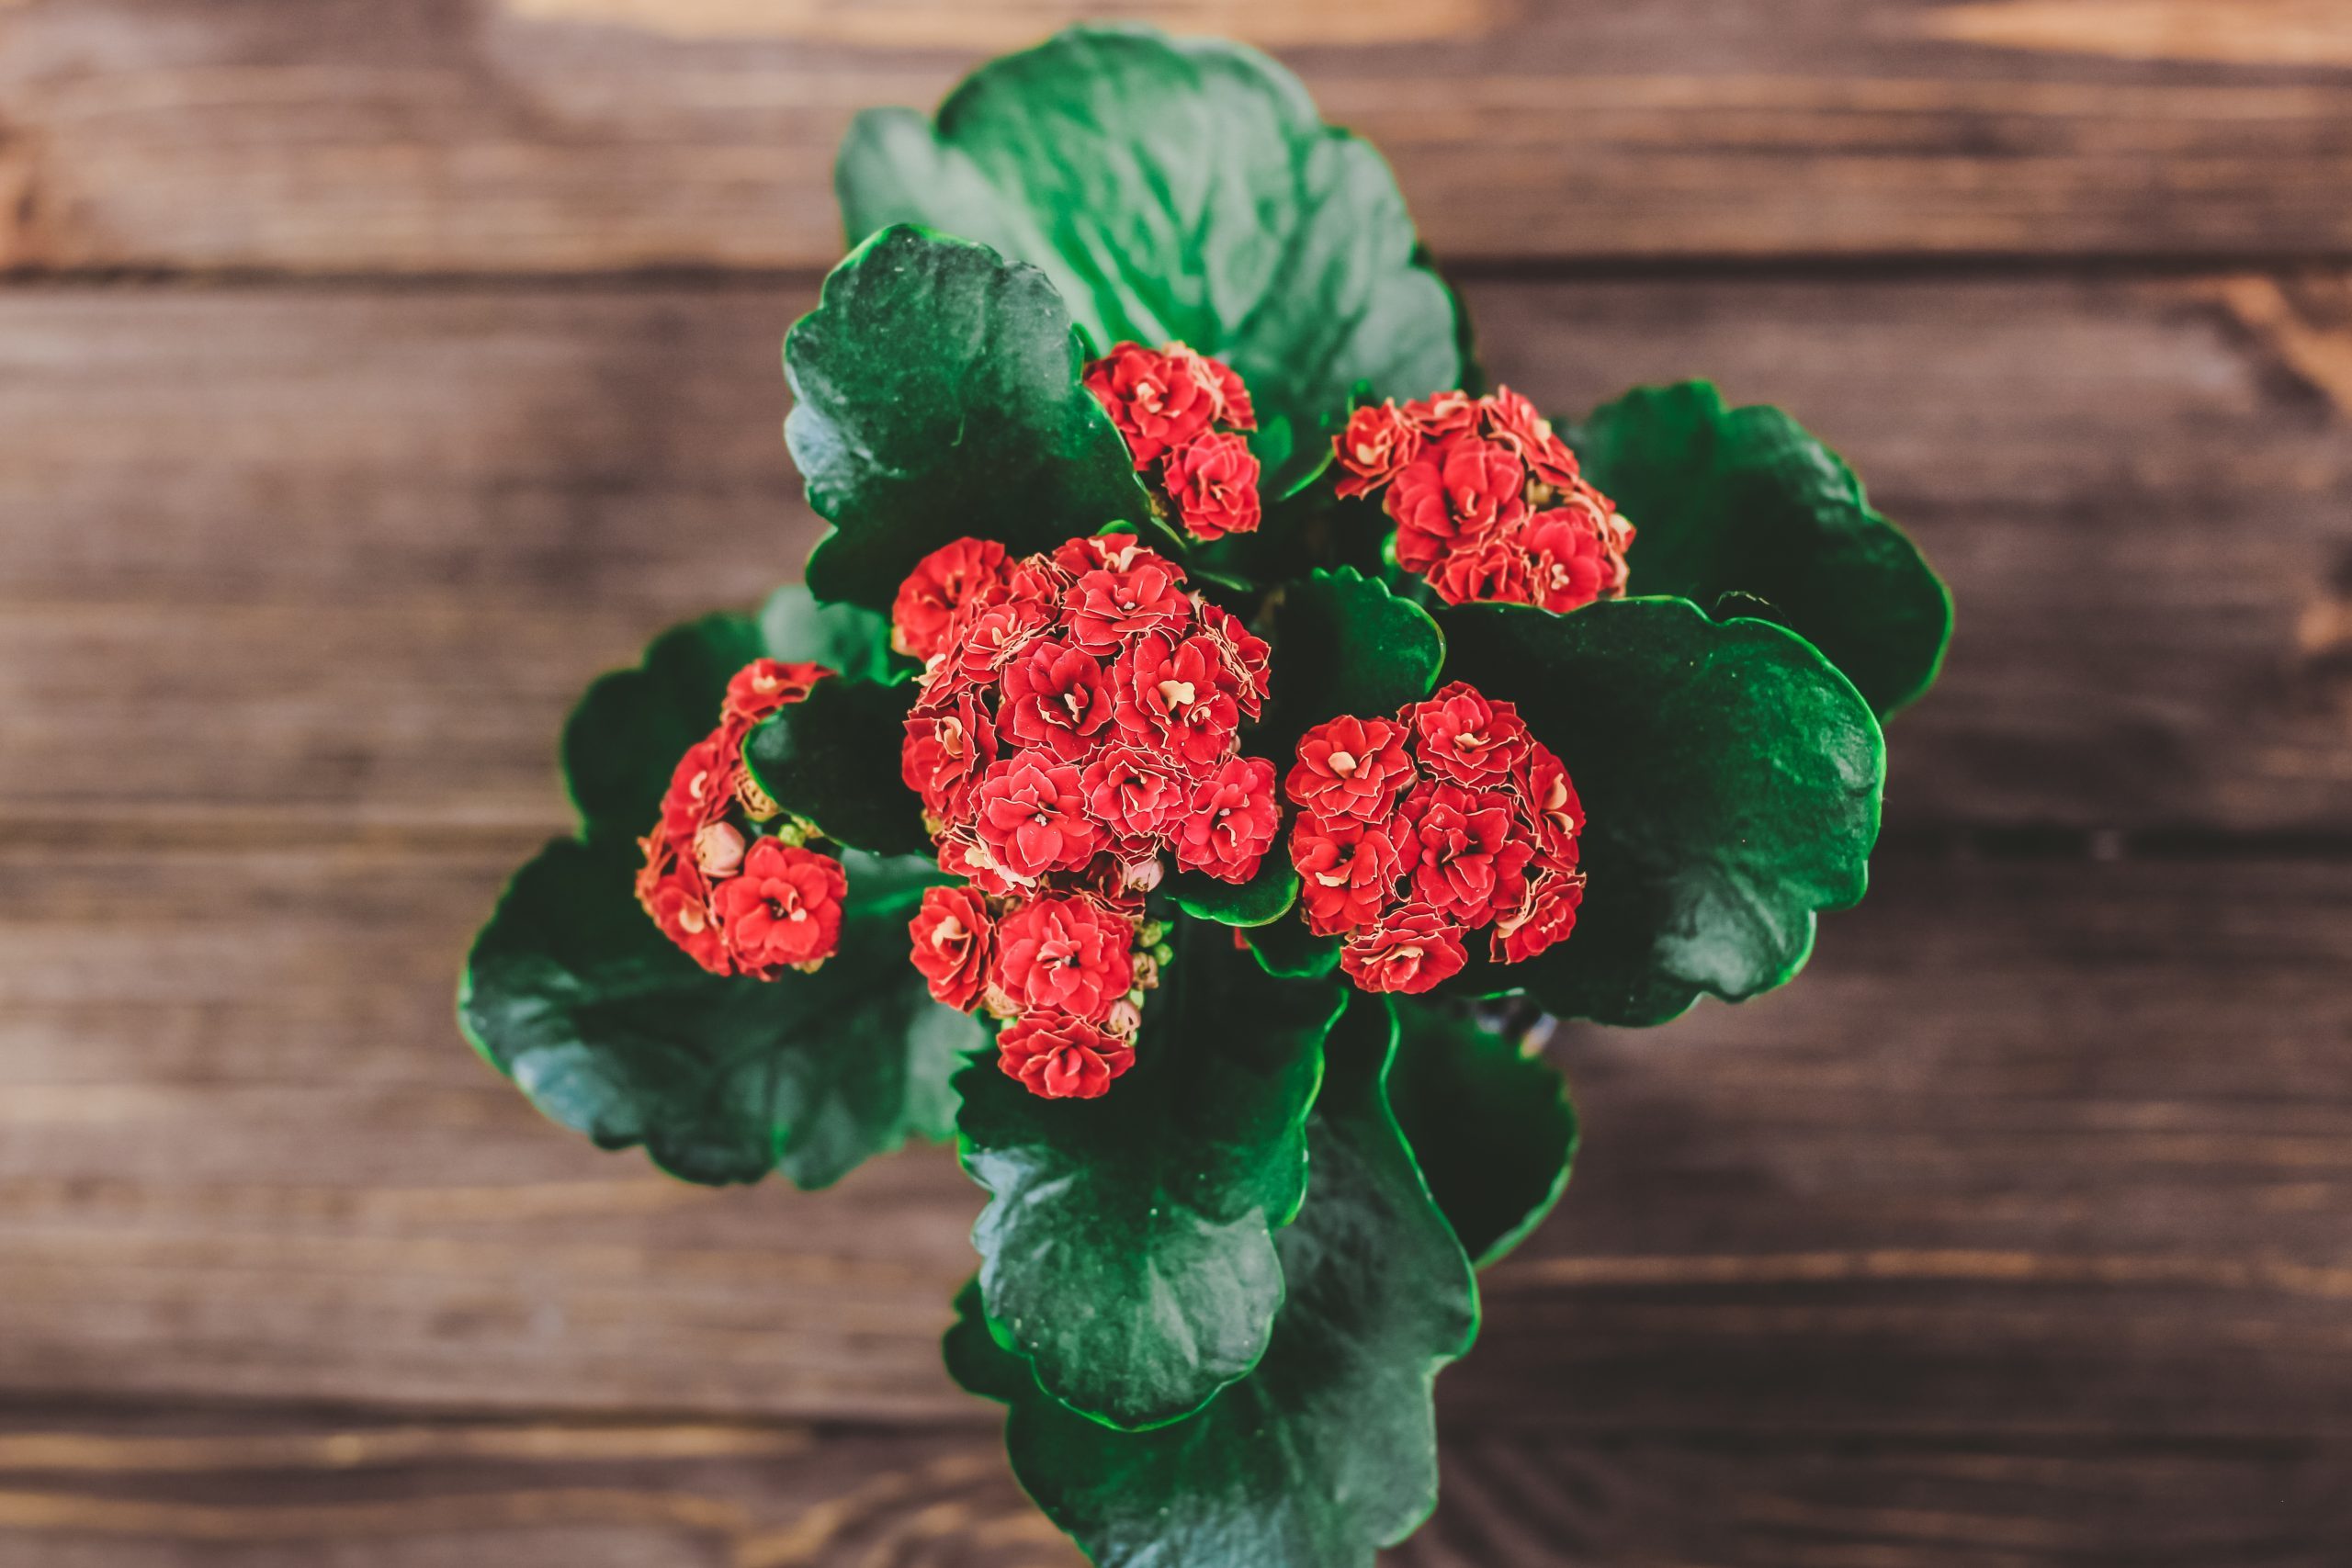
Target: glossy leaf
[(937, 395), (611, 1031), (1288, 948), (1179, 190), (1128, 1245), (1344, 644), (1263, 900), (1731, 779), (1491, 1125), (624, 740), (832, 759), (1327, 1452), (851, 640), (1743, 500)]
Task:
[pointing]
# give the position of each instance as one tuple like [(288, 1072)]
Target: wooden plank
[(262, 1488), (2036, 1152), (536, 136), (349, 556)]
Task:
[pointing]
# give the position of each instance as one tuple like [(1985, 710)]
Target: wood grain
[(565, 136), (346, 557)]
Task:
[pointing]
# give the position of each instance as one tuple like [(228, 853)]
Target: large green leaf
[(1179, 190), (1344, 644), (610, 1030), (937, 395), (849, 639), (1743, 500), (1327, 1452), (832, 758), (1731, 779), (1491, 1125), (1128, 1245), (1266, 897)]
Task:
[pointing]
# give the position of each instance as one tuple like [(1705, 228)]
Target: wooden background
[(375, 372)]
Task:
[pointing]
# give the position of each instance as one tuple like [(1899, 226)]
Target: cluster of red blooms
[(1180, 412), (1447, 818), (1487, 501), (1079, 714), (725, 875)]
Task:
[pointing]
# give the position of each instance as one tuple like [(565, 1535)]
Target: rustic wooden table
[(374, 372)]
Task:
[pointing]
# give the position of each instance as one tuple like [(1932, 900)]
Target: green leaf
[(832, 759), (1327, 1452), (849, 639), (1263, 900), (1288, 948), (611, 1031), (1127, 1245), (1730, 780), (1343, 643), (624, 740), (1179, 190), (1743, 501), (1491, 1125), (937, 395)]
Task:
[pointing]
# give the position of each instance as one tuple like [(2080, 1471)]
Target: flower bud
[(756, 799), (1153, 933), (718, 849), (1163, 954), (1125, 1019), (1143, 875), (1147, 972)]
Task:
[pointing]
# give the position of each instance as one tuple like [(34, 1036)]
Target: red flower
[(1158, 400), (944, 754), (1455, 496), (701, 786), (1347, 871), (1058, 697), (1110, 605), (786, 908), (1066, 955), (961, 853), (764, 685), (1546, 914), (967, 571), (1351, 767), (1470, 863), (1229, 821), (1448, 413), (1232, 398), (951, 947), (1375, 448), (1132, 792), (1246, 655), (983, 640), (1460, 735), (1061, 1058), (1098, 552), (1514, 421), (1411, 951), (1567, 566), (1491, 573), (1548, 805), (1179, 693), (679, 905), (1032, 817), (1212, 479)]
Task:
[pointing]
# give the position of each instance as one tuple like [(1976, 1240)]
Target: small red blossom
[(1157, 399), (1067, 955), (1470, 864), (953, 934), (764, 685), (1348, 870), (1180, 695), (1460, 735), (1212, 479), (1512, 419), (1378, 444), (1457, 495), (1447, 413), (1031, 817), (1246, 658), (1058, 697), (1412, 949), (1229, 821), (702, 786), (678, 901), (1544, 915), (1491, 573), (981, 640), (1351, 767), (1233, 409), (967, 571), (1062, 1059), (1548, 804), (1134, 792), (1110, 605), (944, 754), (785, 909)]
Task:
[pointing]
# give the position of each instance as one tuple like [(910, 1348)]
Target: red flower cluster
[(1487, 501), (1180, 411), (1448, 818), (1079, 714), (740, 896)]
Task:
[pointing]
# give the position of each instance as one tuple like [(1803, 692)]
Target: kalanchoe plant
[(1217, 731)]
